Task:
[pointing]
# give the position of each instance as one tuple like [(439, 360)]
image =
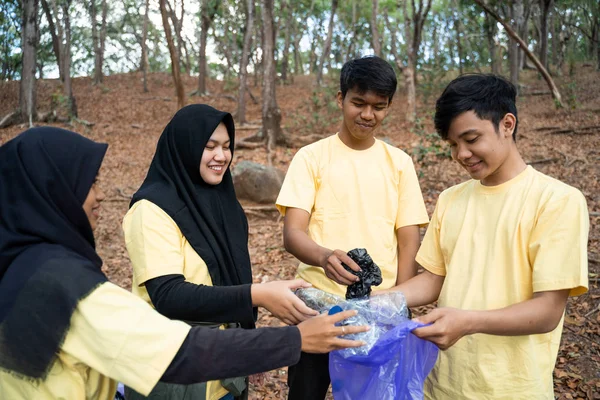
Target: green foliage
[(430, 147), (10, 40)]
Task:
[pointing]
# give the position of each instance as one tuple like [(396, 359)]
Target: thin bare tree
[(555, 93), (174, 56), (145, 45), (271, 114), (327, 45), (249, 29), (29, 43)]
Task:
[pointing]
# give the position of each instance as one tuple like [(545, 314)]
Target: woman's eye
[(472, 140)]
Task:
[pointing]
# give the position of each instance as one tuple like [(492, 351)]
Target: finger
[(303, 308), (298, 283), (333, 274), (349, 262), (425, 332), (338, 317), (345, 343), (339, 268), (351, 329)]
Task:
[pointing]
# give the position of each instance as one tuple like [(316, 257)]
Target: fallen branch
[(546, 128), (251, 95), (542, 161), (595, 214), (244, 144), (586, 130), (537, 93), (247, 127), (9, 119)]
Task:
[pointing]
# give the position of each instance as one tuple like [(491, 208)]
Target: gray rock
[(257, 182)]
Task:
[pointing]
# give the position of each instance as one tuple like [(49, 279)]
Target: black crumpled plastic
[(370, 274)]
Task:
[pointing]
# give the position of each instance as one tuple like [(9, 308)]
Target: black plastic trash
[(370, 274)]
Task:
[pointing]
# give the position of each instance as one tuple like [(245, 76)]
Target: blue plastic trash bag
[(392, 365), (395, 367)]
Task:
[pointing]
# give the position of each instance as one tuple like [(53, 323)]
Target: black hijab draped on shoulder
[(209, 216), (48, 260)]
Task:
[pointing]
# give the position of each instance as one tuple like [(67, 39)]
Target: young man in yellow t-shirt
[(501, 255), (349, 191)]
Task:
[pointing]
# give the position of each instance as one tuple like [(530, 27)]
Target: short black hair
[(491, 97), (369, 73)]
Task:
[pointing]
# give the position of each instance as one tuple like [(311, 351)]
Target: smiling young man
[(347, 191), (501, 255)]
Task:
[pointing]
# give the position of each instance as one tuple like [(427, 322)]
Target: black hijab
[(209, 216), (48, 260)]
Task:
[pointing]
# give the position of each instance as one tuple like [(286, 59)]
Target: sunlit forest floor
[(563, 143)]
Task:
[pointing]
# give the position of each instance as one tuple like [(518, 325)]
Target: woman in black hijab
[(187, 235), (65, 332)]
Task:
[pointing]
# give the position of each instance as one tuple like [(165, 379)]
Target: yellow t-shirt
[(356, 199), (156, 248), (113, 336), (496, 246)]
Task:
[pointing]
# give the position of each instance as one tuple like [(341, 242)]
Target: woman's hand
[(277, 297), (321, 335)]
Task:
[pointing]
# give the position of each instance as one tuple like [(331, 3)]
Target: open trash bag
[(392, 365)]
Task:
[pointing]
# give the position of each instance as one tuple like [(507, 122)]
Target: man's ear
[(340, 99), (508, 124)]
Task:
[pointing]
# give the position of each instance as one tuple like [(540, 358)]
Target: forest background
[(117, 72)]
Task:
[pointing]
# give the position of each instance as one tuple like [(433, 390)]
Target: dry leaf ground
[(131, 121)]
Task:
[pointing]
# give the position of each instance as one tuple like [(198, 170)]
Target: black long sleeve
[(210, 354), (175, 298)]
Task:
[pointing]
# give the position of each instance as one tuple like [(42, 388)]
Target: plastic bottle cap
[(335, 310)]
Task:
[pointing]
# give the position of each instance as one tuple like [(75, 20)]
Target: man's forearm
[(540, 314), (304, 248), (421, 290)]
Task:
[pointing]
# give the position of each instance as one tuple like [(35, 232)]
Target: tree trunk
[(174, 56), (66, 51), (271, 115), (100, 59), (327, 45), (298, 67), (56, 41), (555, 93), (413, 40), (145, 46), (29, 43), (458, 28), (98, 38), (545, 7), (516, 12), (241, 111), (352, 44), (375, 40), (206, 16), (490, 31), (285, 54)]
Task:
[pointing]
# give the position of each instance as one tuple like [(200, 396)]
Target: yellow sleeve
[(154, 242), (558, 245), (411, 206), (300, 184), (430, 254), (122, 337)]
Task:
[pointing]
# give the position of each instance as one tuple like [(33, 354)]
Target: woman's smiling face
[(216, 156)]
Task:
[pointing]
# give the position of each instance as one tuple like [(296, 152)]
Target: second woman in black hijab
[(187, 234), (68, 333)]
